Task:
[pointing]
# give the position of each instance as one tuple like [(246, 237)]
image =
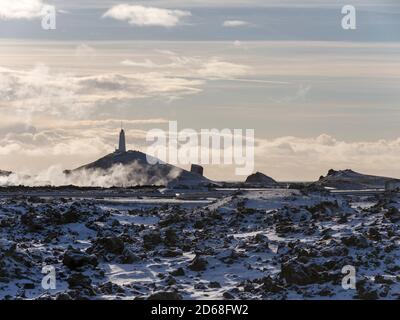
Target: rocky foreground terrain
[(270, 244)]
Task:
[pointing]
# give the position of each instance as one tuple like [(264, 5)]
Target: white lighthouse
[(122, 144)]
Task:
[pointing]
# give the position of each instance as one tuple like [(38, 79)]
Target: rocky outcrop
[(260, 179), (351, 180), (195, 168)]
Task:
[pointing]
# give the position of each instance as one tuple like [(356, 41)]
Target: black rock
[(128, 257), (178, 272), (112, 245), (170, 237), (29, 286), (169, 253), (228, 296), (297, 273), (270, 285), (198, 264), (365, 292), (71, 216), (151, 239), (75, 259), (356, 241), (373, 234), (214, 284), (78, 280)]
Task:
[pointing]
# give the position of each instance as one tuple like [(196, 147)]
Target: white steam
[(117, 176)]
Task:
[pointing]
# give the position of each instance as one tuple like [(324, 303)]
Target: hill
[(260, 179), (351, 180), (132, 168)]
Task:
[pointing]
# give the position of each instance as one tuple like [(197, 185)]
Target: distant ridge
[(349, 179)]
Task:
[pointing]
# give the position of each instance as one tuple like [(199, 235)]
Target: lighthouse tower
[(121, 145)]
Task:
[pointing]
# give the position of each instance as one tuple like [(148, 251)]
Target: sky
[(317, 96)]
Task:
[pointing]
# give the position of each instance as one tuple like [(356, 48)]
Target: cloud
[(113, 122), (21, 9), (210, 68), (67, 143), (84, 50), (41, 91), (174, 63), (217, 69), (235, 23), (298, 158), (300, 94), (146, 16), (284, 158), (145, 64)]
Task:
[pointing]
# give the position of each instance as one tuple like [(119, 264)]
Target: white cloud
[(144, 64), (174, 63), (235, 23), (84, 50), (217, 69), (112, 123), (21, 9), (300, 94), (284, 158), (288, 158), (67, 143), (209, 68), (229, 3), (40, 91), (146, 16)]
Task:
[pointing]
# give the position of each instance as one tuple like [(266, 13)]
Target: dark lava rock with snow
[(253, 244), (75, 259)]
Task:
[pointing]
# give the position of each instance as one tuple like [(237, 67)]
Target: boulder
[(198, 264), (75, 259), (112, 245), (151, 239), (297, 273)]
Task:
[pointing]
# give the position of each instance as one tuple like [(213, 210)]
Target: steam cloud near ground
[(117, 176)]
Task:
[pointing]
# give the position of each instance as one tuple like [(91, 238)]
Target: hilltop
[(132, 168), (349, 179)]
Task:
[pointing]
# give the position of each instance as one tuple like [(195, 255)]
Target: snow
[(253, 244)]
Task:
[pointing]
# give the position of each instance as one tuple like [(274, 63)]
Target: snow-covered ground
[(249, 244)]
